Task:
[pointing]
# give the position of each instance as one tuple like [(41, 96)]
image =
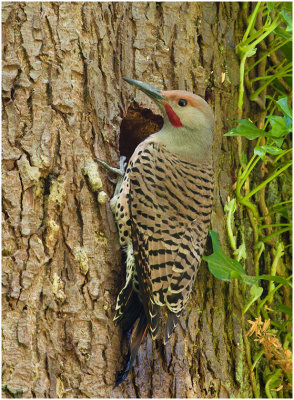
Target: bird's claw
[(113, 181), (117, 171)]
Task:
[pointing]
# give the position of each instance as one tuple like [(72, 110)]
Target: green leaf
[(262, 150), (225, 268), (220, 265), (255, 293), (272, 149), (251, 52), (278, 141), (246, 129), (288, 19), (286, 110), (284, 107), (279, 128), (259, 151), (288, 123)]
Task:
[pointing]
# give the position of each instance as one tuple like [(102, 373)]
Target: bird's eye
[(182, 102)]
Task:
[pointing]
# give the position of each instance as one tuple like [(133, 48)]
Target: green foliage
[(255, 293), (222, 266), (246, 129), (263, 195), (226, 268), (261, 151)]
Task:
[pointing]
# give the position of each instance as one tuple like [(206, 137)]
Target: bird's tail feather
[(128, 308), (154, 319), (138, 332), (171, 323)]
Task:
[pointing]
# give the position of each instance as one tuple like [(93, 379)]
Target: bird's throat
[(190, 146)]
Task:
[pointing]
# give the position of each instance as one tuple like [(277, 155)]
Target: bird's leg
[(117, 171)]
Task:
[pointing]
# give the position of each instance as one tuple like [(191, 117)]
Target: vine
[(263, 193)]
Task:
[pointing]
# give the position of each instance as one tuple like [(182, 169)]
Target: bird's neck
[(192, 146)]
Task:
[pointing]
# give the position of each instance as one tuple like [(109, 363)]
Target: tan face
[(187, 109)]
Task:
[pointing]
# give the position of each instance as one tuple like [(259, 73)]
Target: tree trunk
[(63, 104)]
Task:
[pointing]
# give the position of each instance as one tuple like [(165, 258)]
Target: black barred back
[(169, 208)]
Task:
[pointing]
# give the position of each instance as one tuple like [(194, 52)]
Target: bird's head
[(188, 119)]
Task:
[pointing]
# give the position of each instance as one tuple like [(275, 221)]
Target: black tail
[(138, 332), (129, 308), (134, 324)]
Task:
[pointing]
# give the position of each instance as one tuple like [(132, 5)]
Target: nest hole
[(137, 125)]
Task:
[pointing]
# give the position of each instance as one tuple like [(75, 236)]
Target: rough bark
[(63, 104)]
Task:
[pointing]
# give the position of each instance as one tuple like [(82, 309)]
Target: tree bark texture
[(63, 103)]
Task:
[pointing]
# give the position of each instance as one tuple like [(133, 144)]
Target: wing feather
[(169, 215)]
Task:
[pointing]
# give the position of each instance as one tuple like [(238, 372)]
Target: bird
[(162, 207)]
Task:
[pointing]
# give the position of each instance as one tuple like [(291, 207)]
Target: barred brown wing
[(170, 204)]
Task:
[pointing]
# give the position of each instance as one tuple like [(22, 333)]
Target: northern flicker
[(162, 209)]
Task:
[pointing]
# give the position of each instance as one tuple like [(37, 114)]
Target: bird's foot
[(117, 171)]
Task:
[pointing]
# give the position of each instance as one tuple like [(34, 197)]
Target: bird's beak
[(151, 91)]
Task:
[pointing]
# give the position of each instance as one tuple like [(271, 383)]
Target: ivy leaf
[(220, 265), (259, 151), (246, 129), (262, 150), (288, 123), (251, 52), (284, 107), (225, 268), (279, 128), (272, 149), (288, 19), (286, 110), (278, 141)]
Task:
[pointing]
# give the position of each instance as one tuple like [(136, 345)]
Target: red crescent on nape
[(172, 116)]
